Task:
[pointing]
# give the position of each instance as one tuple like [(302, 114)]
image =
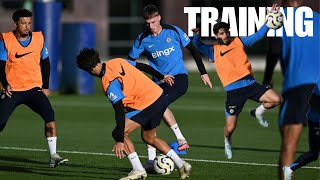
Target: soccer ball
[(274, 19), (163, 164)]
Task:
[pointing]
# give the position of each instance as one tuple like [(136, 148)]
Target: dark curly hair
[(88, 59), (220, 25), (150, 11), (21, 13)]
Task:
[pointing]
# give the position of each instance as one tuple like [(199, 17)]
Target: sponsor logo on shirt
[(165, 52)]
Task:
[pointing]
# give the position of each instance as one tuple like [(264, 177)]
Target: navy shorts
[(296, 105), (237, 98), (315, 102), (178, 89), (314, 136), (151, 116), (34, 98)]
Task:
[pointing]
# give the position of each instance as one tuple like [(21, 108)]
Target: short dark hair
[(88, 59), (150, 11), (21, 13), (220, 25)]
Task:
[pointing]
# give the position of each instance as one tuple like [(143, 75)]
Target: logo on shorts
[(231, 109)]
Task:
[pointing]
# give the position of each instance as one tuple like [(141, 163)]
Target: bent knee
[(148, 140)]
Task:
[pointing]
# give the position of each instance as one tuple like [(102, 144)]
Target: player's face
[(224, 35), (23, 25), (154, 24)]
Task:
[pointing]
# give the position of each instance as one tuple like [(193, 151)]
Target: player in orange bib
[(138, 102), (234, 70), (24, 81)]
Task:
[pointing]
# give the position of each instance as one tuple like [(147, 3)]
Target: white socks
[(52, 144), (227, 141), (175, 158), (135, 161), (152, 152), (176, 130), (260, 110)]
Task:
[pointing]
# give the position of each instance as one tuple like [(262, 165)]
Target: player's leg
[(231, 123), (7, 106), (172, 123), (314, 146), (138, 172), (268, 99), (293, 115), (40, 104), (233, 106), (149, 136), (178, 89), (274, 49)]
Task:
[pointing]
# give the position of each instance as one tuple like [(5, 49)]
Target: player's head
[(152, 17), (22, 21), (88, 59), (222, 33)]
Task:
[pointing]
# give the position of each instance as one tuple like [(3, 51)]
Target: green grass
[(85, 124)]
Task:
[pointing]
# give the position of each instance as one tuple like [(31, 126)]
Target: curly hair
[(21, 13), (88, 59), (220, 25)]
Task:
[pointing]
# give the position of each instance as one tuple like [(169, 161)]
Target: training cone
[(174, 146)]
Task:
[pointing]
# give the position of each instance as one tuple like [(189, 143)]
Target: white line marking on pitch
[(194, 160)]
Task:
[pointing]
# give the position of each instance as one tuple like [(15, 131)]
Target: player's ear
[(159, 18), (15, 24)]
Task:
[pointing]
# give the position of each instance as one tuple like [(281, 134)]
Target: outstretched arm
[(197, 57), (205, 49), (252, 39), (150, 70)]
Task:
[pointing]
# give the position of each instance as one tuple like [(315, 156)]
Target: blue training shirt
[(208, 51), (300, 61), (164, 51), (4, 52)]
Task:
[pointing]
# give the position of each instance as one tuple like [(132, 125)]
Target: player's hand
[(8, 90), (46, 92), (118, 148), (168, 79), (274, 9), (206, 80), (195, 30)]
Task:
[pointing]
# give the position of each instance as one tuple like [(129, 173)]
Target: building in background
[(118, 22)]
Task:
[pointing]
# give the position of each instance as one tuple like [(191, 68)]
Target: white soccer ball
[(163, 164), (274, 19)]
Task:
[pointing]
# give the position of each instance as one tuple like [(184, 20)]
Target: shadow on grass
[(21, 165)]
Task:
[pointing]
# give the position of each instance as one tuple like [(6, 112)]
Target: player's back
[(300, 57), (139, 90)]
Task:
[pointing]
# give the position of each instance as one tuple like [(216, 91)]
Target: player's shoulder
[(143, 35), (171, 28)]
